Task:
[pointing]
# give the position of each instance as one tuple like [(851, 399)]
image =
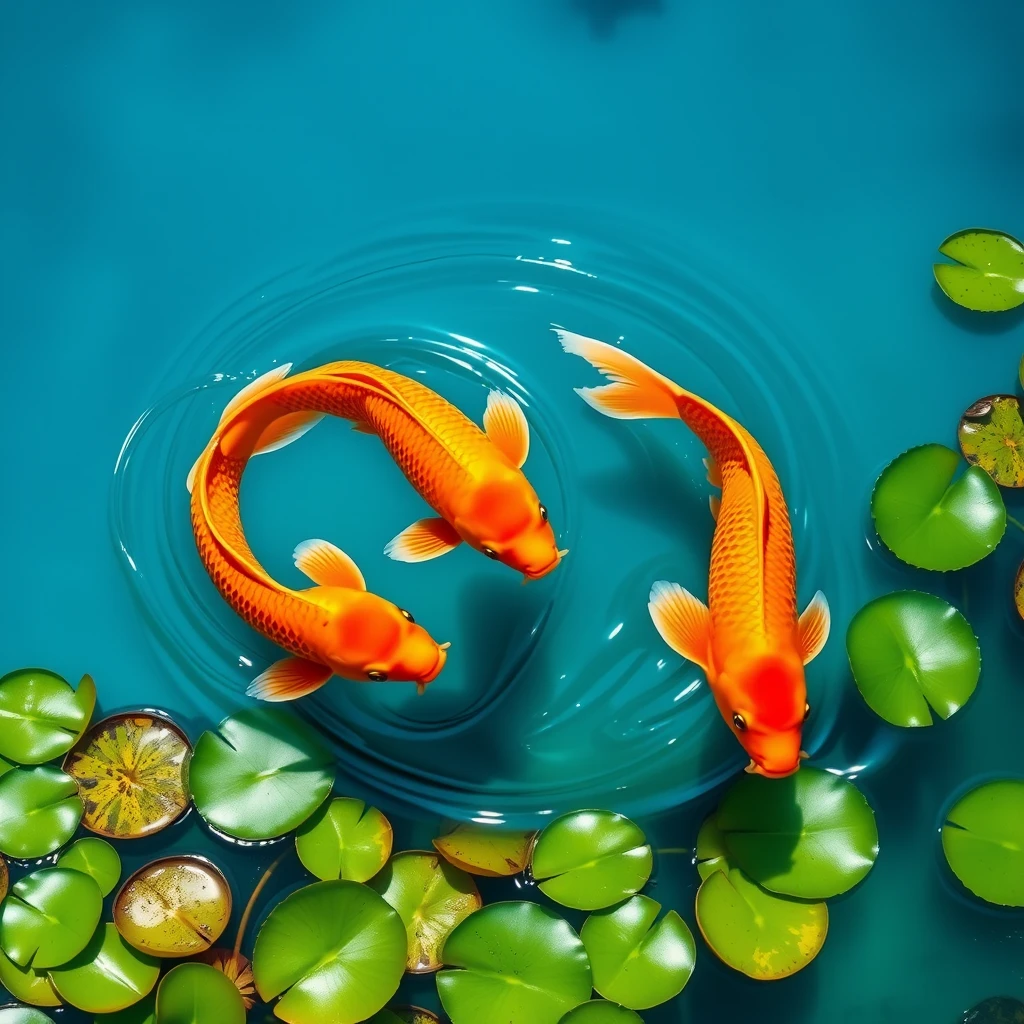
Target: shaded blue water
[(749, 196)]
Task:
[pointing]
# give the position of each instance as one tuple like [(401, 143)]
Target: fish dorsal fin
[(286, 429), (813, 627), (261, 383), (326, 564), (425, 539), (505, 424), (682, 620), (289, 679)]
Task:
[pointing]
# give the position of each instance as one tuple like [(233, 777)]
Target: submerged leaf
[(992, 436), (996, 1010), (928, 519), (41, 716), (989, 273), (95, 858), (198, 994), (486, 850), (132, 772), (344, 839), (39, 811)]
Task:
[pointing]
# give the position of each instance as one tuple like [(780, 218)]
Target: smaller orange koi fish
[(748, 639)]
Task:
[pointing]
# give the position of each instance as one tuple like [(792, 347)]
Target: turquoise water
[(749, 196)]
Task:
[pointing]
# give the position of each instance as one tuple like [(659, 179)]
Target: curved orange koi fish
[(748, 640)]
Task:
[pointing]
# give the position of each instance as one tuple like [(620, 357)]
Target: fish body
[(749, 639)]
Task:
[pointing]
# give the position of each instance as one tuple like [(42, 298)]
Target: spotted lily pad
[(910, 651), (41, 716), (108, 975), (23, 1015), (198, 994), (39, 811), (810, 835), (49, 917), (95, 858), (26, 983), (404, 1015), (175, 906), (344, 839), (432, 897), (992, 437), (637, 960), (261, 774), (600, 1011), (132, 772), (487, 850), (513, 963), (988, 275), (591, 859), (983, 840), (237, 969), (334, 952), (928, 519)]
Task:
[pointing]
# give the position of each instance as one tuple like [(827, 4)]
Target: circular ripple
[(555, 695)]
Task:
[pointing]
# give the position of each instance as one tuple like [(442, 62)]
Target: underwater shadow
[(976, 323), (604, 15)]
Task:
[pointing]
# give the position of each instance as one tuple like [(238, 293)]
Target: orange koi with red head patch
[(749, 640)]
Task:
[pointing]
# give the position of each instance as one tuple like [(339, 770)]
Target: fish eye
[(739, 721), (807, 711), (407, 615), (490, 552), (377, 677), (543, 514)]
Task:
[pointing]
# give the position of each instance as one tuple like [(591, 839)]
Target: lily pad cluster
[(769, 858)]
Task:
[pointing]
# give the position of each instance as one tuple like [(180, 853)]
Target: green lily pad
[(23, 1015), (514, 963), (992, 436), (261, 774), (589, 860), (142, 1012), (41, 716), (345, 839), (132, 772), (174, 906), (909, 651), (928, 519), (995, 1010), (600, 1011), (637, 960), (39, 811), (983, 840), (988, 275), (236, 968), (95, 858), (810, 835), (108, 975), (27, 984), (432, 897), (198, 994), (336, 951), (49, 917), (486, 850)]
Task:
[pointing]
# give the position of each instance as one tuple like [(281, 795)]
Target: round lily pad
[(928, 519), (39, 811), (41, 715), (344, 839), (995, 1010), (486, 850), (513, 963), (810, 835), (49, 917), (23, 1015), (108, 975), (27, 984), (142, 1012), (237, 969), (591, 859), (198, 994), (175, 906), (910, 651), (600, 1011), (432, 897), (983, 840), (132, 772), (992, 437), (637, 960), (261, 774), (95, 858), (334, 951), (988, 275)]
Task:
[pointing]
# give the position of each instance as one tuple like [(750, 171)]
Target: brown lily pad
[(132, 773), (173, 907), (991, 436)]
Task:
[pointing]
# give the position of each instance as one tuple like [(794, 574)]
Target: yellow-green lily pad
[(26, 983), (39, 811), (600, 1011), (486, 850), (41, 715), (95, 858), (198, 994), (992, 436), (236, 968), (344, 839), (988, 275)]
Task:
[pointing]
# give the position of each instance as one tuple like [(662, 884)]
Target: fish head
[(764, 702), (378, 642)]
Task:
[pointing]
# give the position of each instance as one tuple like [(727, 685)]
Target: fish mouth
[(536, 574), (759, 769), (442, 657)]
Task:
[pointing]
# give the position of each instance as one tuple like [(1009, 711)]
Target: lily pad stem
[(247, 913), (673, 849), (1015, 522)]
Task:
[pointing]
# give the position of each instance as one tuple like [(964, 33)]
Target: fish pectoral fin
[(362, 427), (813, 627), (286, 429), (190, 480), (289, 679), (425, 539), (682, 620), (326, 564), (714, 472), (254, 387), (505, 424), (715, 504)]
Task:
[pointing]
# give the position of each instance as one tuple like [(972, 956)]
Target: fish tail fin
[(636, 391)]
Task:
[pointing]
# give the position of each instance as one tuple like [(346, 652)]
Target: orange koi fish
[(748, 639)]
